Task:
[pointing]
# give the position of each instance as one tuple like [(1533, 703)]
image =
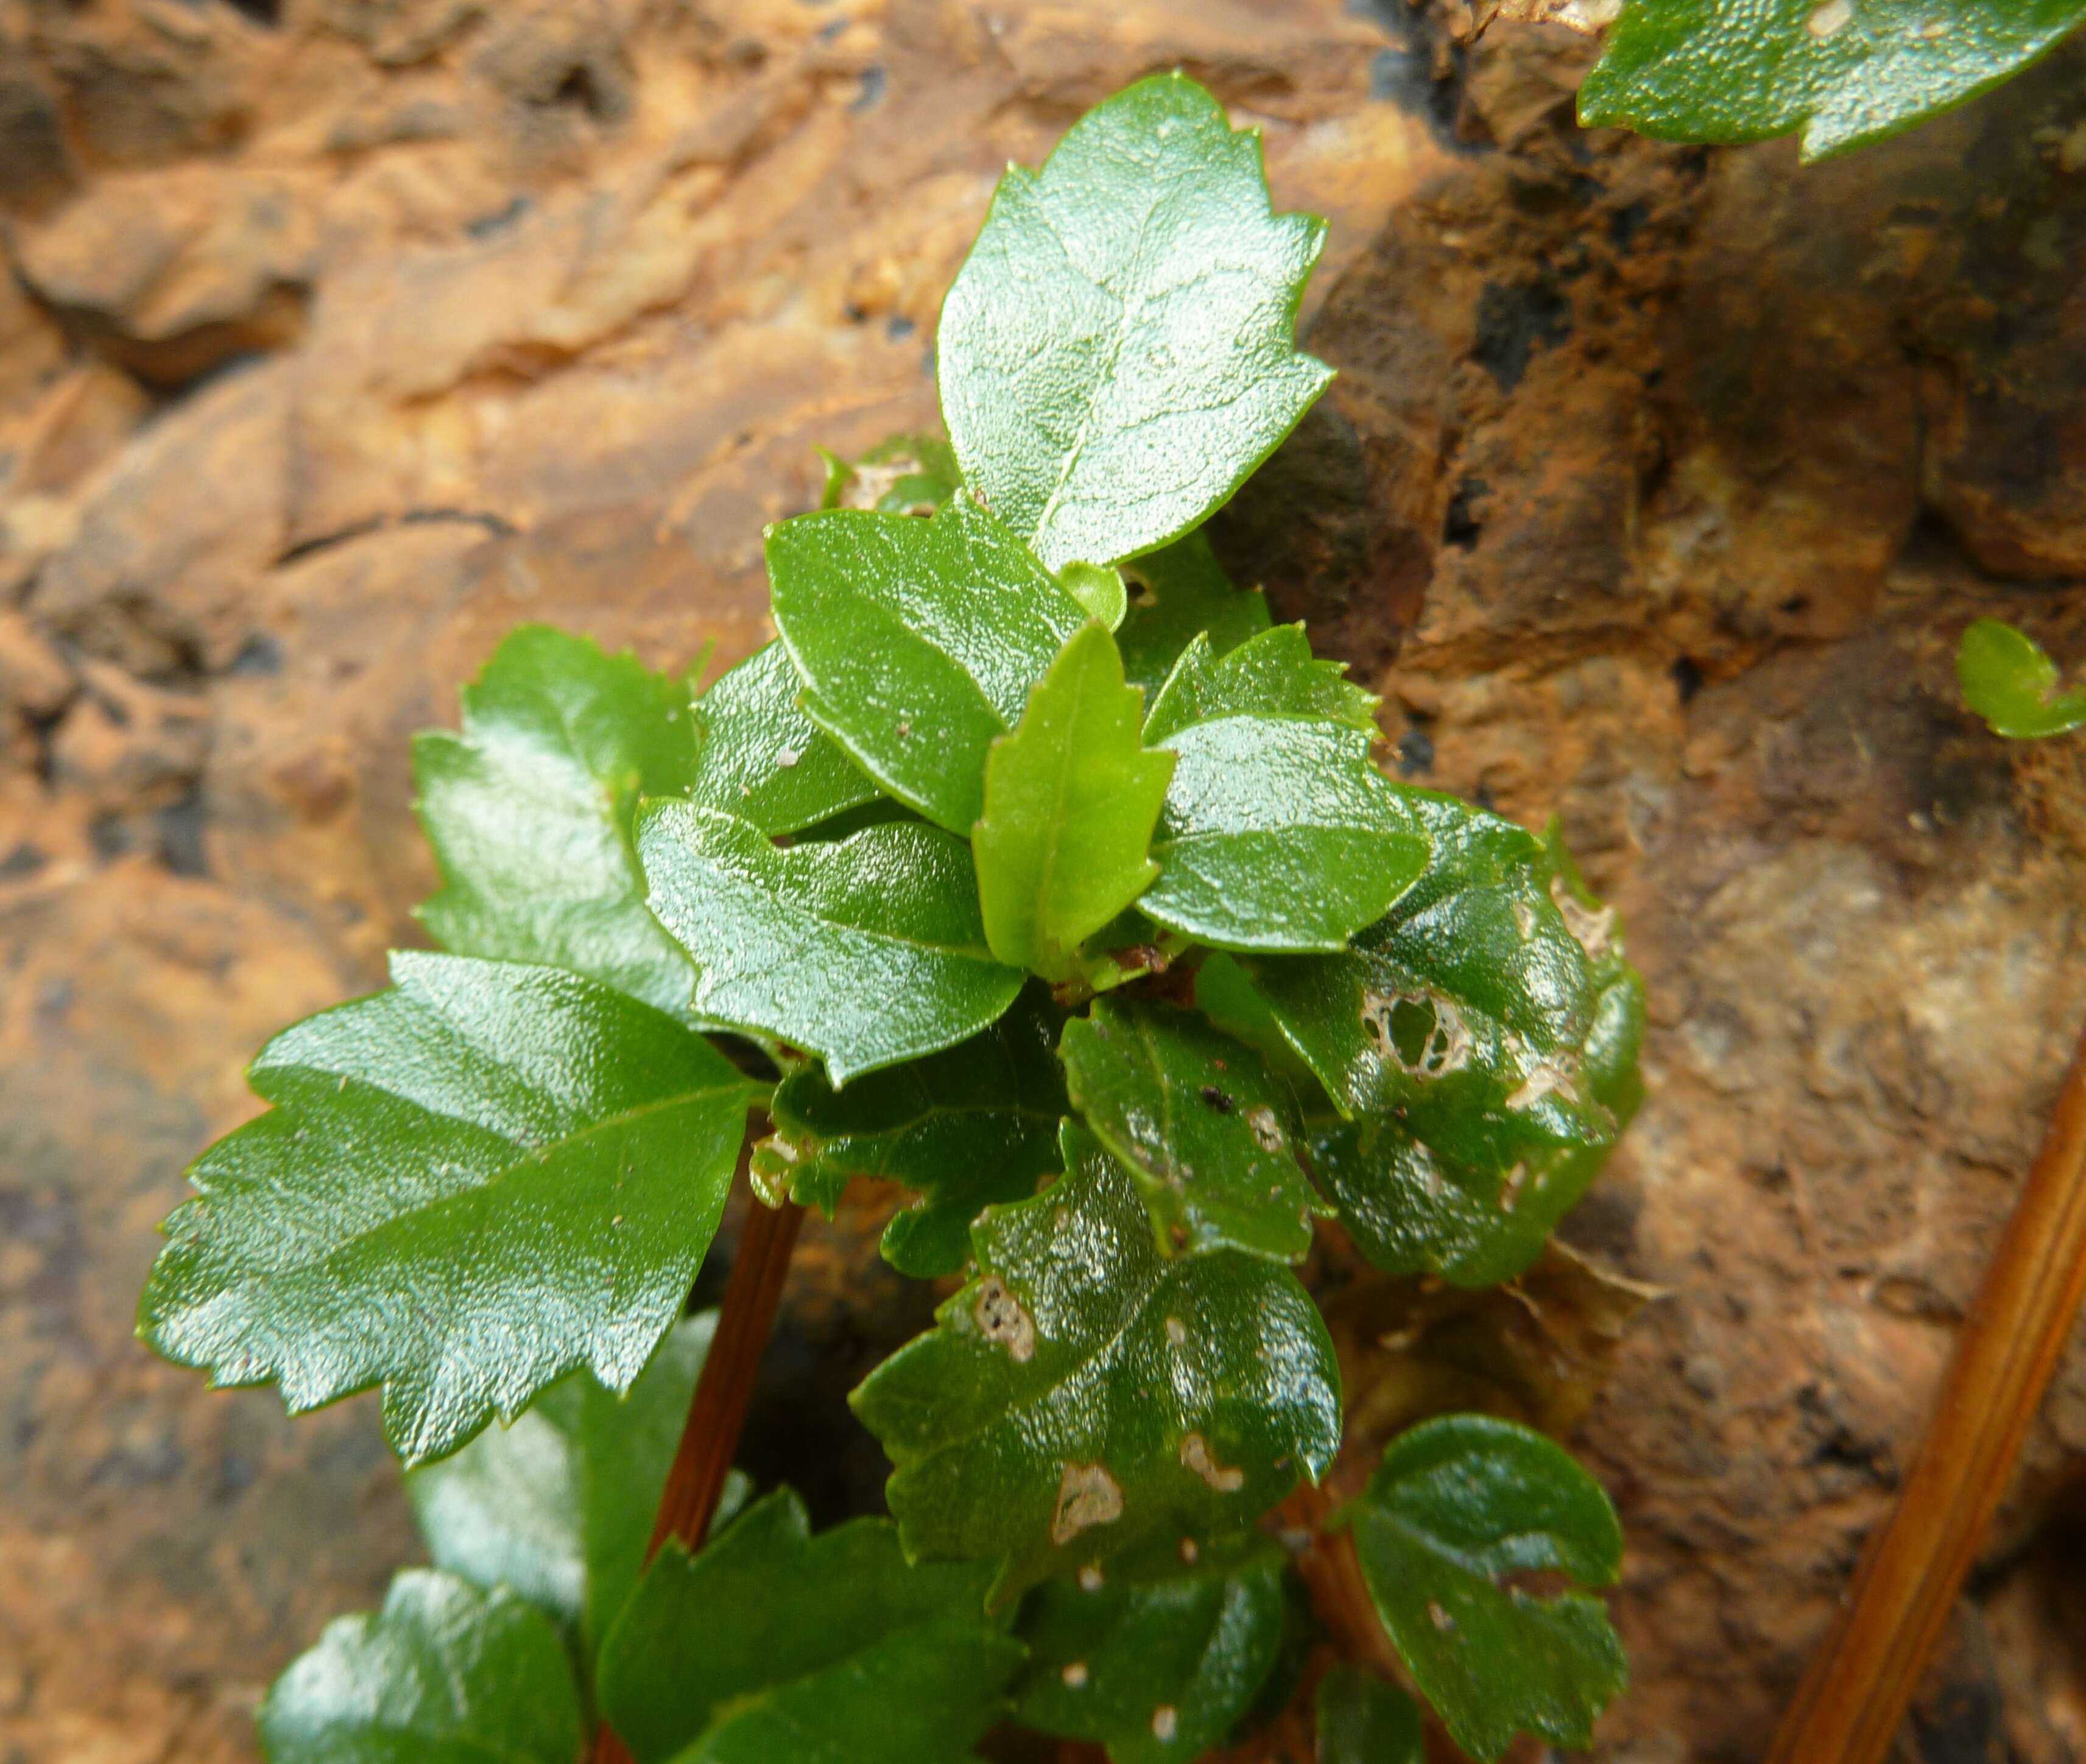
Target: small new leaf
[(1070, 799), (866, 951), (2011, 682), (1363, 1720), (1458, 1505), (969, 1127), (1272, 674), (444, 1671), (529, 811), (918, 641), (760, 759), (1160, 1660), (1203, 1127), (1118, 351), (774, 1646), (1176, 594), (1083, 1391), (469, 1185)]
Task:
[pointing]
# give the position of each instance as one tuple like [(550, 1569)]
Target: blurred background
[(337, 336)]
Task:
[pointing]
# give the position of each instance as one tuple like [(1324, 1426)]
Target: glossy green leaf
[(1205, 1130), (1160, 1658), (1363, 1720), (774, 1646), (1484, 1055), (558, 1504), (1099, 589), (1456, 1505), (760, 758), (866, 951), (917, 642), (1176, 594), (469, 1185), (1278, 833), (904, 474), (1118, 351), (444, 1674), (1070, 801), (529, 811), (2009, 681), (1272, 673), (969, 1127), (1084, 1391), (1843, 72)]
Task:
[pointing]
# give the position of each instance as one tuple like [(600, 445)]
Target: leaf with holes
[(866, 951), (1084, 1391), (758, 756), (774, 1646), (1176, 594), (1204, 1129), (969, 1127), (529, 811), (1270, 675), (469, 1185), (917, 642), (2011, 683), (1070, 799), (1842, 72), (445, 1673), (1162, 1658), (1456, 1506), (1118, 351), (1363, 1720)]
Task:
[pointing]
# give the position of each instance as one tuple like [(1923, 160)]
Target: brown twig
[(1852, 1701), (710, 1440)]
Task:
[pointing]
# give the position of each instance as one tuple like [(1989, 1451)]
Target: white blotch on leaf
[(1000, 1317), (1086, 1495), (1832, 17), (1074, 1672), (1265, 1128), (1195, 1454), (1595, 931), (1165, 1723)]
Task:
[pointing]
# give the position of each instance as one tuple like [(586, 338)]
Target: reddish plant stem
[(710, 1440), (1853, 1700)]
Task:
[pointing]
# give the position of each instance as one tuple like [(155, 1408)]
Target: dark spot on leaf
[(1216, 1099)]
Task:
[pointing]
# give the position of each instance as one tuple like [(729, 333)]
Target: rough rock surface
[(341, 334)]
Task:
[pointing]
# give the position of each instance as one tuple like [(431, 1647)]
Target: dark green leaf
[(969, 1127), (1278, 833), (1484, 1065), (1458, 1505), (2010, 682), (1363, 1720), (1084, 1391), (559, 1506), (469, 1185), (1204, 1129), (529, 811), (444, 1674), (1176, 594), (1844, 72), (1272, 673), (1070, 799), (917, 642), (773, 1647), (760, 759), (866, 951), (906, 475), (1161, 1659), (1118, 352)]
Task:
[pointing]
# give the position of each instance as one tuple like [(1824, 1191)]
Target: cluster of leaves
[(1033, 868)]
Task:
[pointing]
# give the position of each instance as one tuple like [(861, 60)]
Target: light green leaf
[(1456, 1505), (917, 642), (865, 951), (1161, 1659), (1117, 353), (1084, 1391), (1278, 833), (969, 1127), (774, 1646), (2010, 682), (1271, 673), (1363, 1720), (558, 1504), (904, 474), (529, 811), (1844, 72), (1205, 1130), (444, 1674), (1099, 590), (1070, 799), (758, 756), (1485, 1056), (469, 1185), (1177, 594)]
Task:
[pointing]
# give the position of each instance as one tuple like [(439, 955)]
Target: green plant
[(2010, 682), (1033, 868)]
